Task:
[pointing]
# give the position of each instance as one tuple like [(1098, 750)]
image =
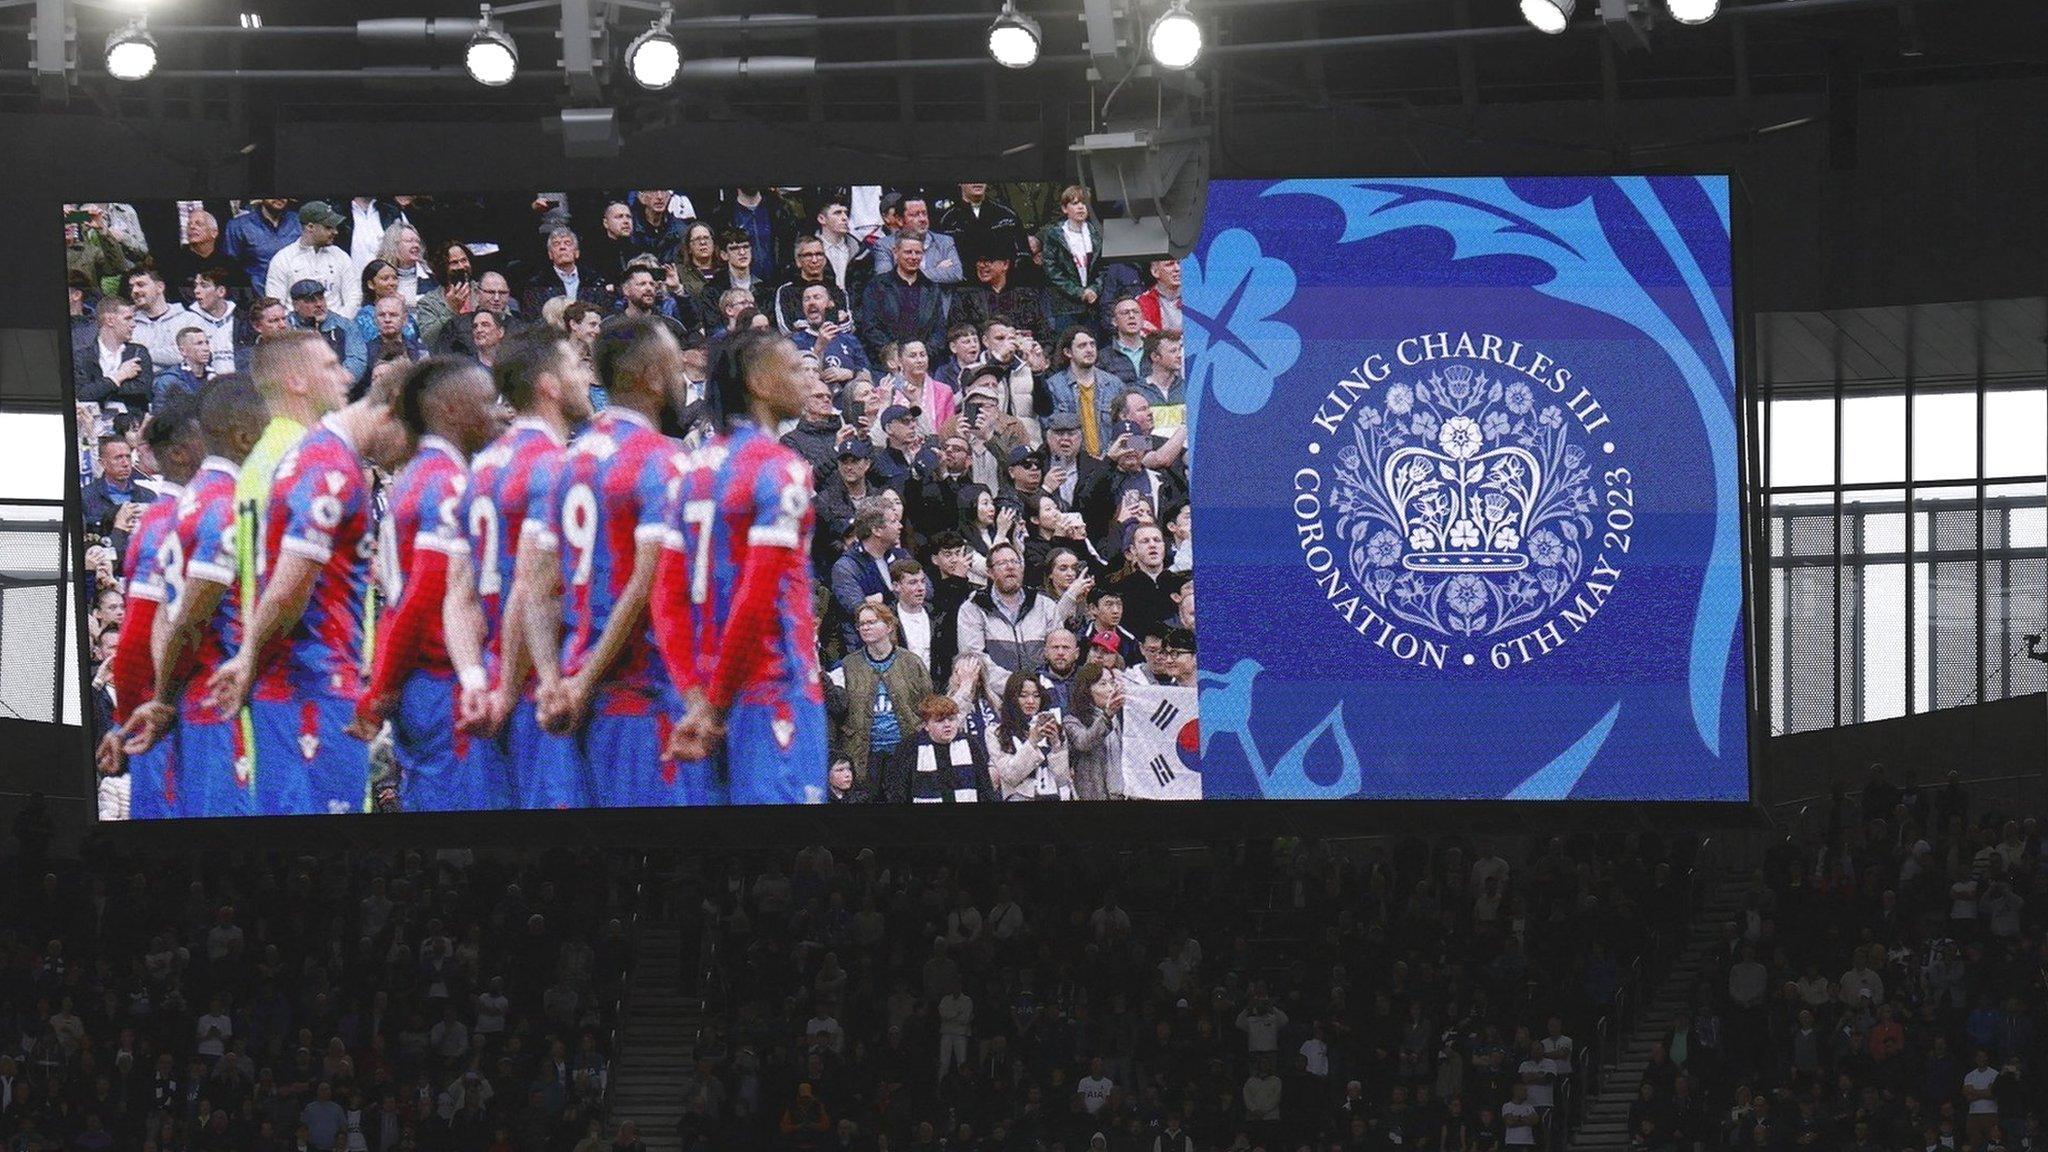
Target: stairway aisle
[(1604, 1127), (657, 1040)]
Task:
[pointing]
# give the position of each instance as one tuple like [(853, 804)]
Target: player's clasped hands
[(699, 733), (145, 726), (227, 690)]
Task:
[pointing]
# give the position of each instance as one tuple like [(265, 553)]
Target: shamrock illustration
[(1236, 348)]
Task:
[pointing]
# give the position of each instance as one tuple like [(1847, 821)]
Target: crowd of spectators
[(1881, 991), (362, 1002), (997, 419), (1269, 995)]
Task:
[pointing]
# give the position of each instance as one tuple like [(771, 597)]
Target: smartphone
[(80, 217), (974, 413), (856, 413), (1070, 521)]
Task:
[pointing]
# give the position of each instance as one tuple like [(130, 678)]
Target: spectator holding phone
[(1027, 751), (112, 503)]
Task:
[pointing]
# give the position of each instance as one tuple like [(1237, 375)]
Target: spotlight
[(131, 52), (1693, 11), (252, 20), (1013, 38), (1175, 38), (1549, 16), (653, 57), (492, 57)]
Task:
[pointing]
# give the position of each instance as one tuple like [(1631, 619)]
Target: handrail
[(1819, 796), (614, 1051)]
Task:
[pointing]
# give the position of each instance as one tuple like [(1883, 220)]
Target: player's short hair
[(279, 352), (624, 347), (936, 707), (229, 405), (902, 568), (523, 359), (171, 421), (737, 357), (422, 380)]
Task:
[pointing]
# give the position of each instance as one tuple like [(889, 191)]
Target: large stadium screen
[(884, 495)]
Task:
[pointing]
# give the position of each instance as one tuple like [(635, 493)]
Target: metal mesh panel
[(31, 611)]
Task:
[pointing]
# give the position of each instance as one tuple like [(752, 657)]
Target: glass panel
[(32, 608), (1945, 436), (2015, 587), (1804, 606), (1802, 442), (1873, 439), (2016, 433), (1873, 601), (31, 456), (1945, 660)]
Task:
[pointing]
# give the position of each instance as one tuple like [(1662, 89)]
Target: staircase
[(657, 1040), (1604, 1125)]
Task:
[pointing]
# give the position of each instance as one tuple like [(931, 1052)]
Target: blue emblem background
[(1627, 281)]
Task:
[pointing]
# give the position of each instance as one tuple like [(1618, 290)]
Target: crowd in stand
[(233, 1002), (1245, 995), (1883, 989), (996, 424), (1881, 992)]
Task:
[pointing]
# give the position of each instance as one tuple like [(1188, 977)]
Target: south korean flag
[(1162, 744)]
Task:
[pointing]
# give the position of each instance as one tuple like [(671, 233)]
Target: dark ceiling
[(923, 60)]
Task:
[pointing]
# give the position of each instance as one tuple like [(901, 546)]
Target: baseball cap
[(856, 448), (895, 412), (1063, 422), (307, 289), (891, 201), (1023, 454), (1107, 641), (319, 212), (985, 372)]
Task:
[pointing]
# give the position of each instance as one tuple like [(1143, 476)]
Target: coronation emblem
[(1463, 516)]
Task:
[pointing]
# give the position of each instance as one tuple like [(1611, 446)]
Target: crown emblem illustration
[(1464, 507)]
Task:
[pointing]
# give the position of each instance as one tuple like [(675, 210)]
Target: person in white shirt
[(1555, 1043), (1538, 1073), (1316, 1052), (213, 313), (491, 1008), (1006, 918), (366, 231), (956, 1023), (213, 1030), (1979, 1088), (1261, 1022), (1518, 1116), (314, 257), (1095, 1088), (912, 587)]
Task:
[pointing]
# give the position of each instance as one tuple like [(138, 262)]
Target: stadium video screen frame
[(887, 495)]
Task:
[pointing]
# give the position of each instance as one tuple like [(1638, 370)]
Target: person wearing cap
[(255, 237), (903, 303), (309, 311), (904, 453), (1024, 477), (1069, 468), (994, 290), (315, 257)]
